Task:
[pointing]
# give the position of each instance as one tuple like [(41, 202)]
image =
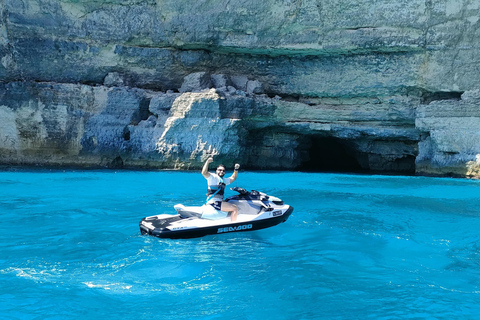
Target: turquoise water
[(356, 247)]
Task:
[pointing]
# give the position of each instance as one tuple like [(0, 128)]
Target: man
[(216, 188)]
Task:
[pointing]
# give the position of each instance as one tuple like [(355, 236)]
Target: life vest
[(220, 190)]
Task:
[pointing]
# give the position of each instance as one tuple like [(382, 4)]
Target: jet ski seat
[(188, 212)]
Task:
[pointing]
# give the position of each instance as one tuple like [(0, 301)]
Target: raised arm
[(205, 172), (234, 176)]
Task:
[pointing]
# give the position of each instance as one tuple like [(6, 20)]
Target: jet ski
[(256, 210)]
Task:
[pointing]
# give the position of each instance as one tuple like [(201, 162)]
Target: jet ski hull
[(160, 227)]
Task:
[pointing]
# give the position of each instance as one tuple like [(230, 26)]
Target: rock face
[(331, 85)]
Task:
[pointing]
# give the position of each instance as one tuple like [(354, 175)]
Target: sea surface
[(355, 247)]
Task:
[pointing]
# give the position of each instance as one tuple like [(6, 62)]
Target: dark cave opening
[(273, 150), (329, 154), (428, 97)]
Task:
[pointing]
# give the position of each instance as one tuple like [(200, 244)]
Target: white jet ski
[(256, 210)]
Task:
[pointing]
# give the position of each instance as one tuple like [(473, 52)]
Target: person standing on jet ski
[(216, 188)]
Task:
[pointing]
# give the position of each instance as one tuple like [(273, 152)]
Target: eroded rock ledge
[(232, 119)]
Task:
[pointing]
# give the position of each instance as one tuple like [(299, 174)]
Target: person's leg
[(228, 207)]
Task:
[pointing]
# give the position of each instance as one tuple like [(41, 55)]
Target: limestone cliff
[(315, 85)]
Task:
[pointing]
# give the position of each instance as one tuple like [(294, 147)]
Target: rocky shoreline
[(116, 126)]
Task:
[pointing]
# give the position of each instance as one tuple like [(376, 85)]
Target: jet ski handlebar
[(240, 190)]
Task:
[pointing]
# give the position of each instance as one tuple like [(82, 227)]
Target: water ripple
[(355, 247)]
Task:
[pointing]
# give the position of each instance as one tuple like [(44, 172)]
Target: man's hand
[(237, 166), (209, 160)]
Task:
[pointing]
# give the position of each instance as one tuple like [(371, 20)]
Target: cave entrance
[(329, 154)]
